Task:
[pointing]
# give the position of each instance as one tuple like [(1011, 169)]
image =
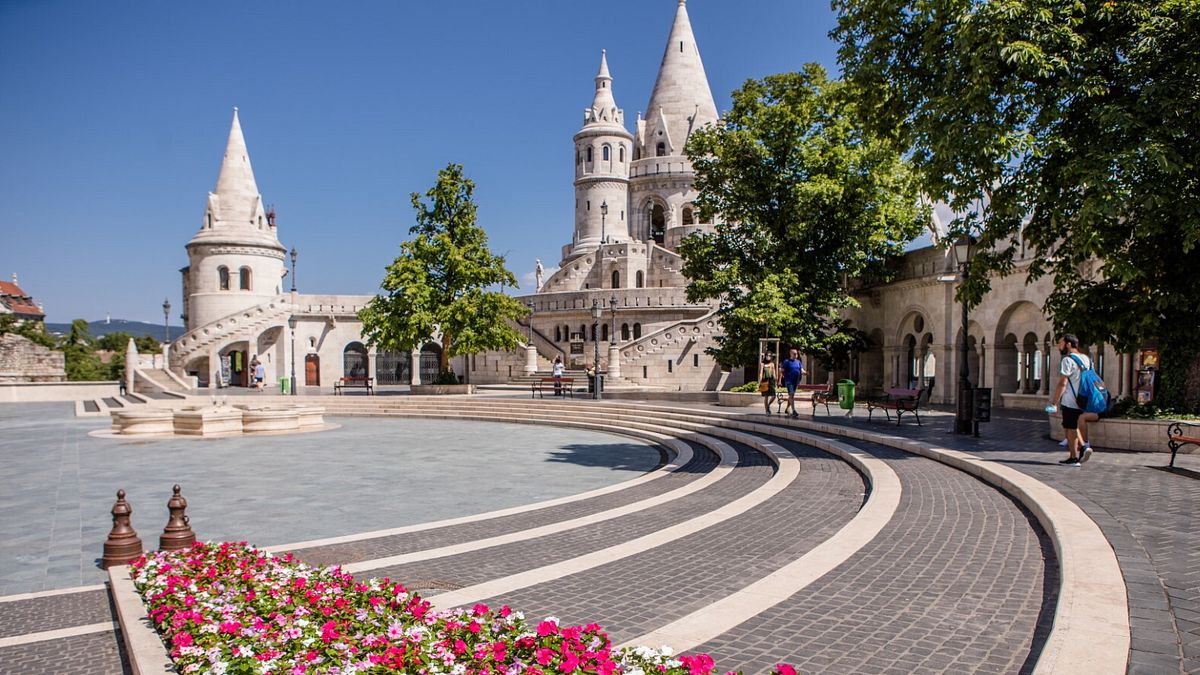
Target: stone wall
[(24, 361)]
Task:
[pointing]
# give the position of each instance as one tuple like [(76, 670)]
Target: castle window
[(208, 218), (244, 278), (624, 331), (604, 153), (589, 153), (621, 154), (577, 157), (558, 334), (687, 216), (616, 276), (637, 331), (223, 278), (640, 279), (661, 149), (658, 224)]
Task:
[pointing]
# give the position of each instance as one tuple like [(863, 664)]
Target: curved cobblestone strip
[(635, 595), (728, 459), (787, 471), (684, 465), (520, 519), (960, 579), (433, 576), (93, 654)]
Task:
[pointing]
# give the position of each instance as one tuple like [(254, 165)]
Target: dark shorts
[(1071, 417), (791, 387)]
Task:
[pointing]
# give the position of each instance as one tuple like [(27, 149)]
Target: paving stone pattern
[(92, 654), (960, 580), (53, 612), (478, 566), (1150, 516), (642, 592)]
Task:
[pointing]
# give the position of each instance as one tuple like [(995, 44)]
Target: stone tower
[(235, 261), (603, 151), (661, 176)]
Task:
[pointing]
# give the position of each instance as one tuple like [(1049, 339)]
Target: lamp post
[(293, 255), (597, 312), (166, 321), (963, 419), (603, 217), (614, 354), (292, 325)]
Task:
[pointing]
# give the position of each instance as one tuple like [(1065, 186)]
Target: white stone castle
[(633, 205)]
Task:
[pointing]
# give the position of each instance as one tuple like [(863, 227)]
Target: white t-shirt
[(558, 369), (1073, 373)]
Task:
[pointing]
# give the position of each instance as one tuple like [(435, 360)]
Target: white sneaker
[(1062, 443), (1086, 455)]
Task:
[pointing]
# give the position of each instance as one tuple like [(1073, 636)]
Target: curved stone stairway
[(756, 541)]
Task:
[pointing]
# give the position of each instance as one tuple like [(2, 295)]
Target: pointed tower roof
[(604, 110), (235, 210), (681, 91)]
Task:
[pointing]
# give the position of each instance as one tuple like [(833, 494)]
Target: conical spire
[(236, 177), (604, 108), (681, 91)]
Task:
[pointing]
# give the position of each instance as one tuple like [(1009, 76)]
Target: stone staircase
[(197, 341)]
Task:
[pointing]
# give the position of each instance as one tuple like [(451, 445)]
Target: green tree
[(437, 285), (82, 364), (117, 342), (1078, 124), (30, 330), (808, 198)]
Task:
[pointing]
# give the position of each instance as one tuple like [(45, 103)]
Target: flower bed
[(230, 608)]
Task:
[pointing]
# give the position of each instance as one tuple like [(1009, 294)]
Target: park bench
[(354, 383), (1176, 439), (821, 394), (563, 385), (900, 400)]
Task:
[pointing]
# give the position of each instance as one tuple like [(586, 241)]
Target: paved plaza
[(637, 534)]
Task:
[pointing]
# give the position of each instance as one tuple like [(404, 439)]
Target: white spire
[(235, 207), (681, 91), (604, 108), (235, 182)]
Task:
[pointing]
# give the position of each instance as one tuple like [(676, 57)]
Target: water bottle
[(1051, 409)]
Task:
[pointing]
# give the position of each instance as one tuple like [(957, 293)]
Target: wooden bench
[(900, 400), (1176, 439), (560, 385), (354, 383), (821, 393)]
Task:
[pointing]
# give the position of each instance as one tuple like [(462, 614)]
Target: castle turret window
[(640, 279), (616, 279), (244, 278), (687, 216), (223, 278), (589, 154), (624, 331), (604, 153), (621, 154), (637, 331), (661, 149)]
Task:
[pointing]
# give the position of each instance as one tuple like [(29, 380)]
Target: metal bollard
[(122, 544), (178, 533)]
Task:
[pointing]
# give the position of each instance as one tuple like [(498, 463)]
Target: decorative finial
[(235, 109)]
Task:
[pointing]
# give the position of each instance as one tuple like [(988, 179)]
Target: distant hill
[(134, 328)]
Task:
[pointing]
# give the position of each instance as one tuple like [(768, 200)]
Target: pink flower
[(546, 628), (784, 669), (329, 631)]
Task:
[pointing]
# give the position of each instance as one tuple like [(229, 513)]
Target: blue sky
[(114, 117)]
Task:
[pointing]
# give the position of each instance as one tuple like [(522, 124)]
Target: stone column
[(530, 360), (414, 374), (1046, 369), (614, 360), (131, 358)]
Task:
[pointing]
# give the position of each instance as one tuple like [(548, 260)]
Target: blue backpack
[(1092, 395)]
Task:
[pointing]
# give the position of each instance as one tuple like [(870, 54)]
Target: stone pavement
[(961, 579)]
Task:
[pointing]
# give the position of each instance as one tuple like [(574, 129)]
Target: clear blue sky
[(114, 115)]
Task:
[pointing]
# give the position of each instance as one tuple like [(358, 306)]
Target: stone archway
[(312, 370), (1016, 348), (430, 366), (355, 360)]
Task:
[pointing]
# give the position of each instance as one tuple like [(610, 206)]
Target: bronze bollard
[(178, 532), (123, 544)]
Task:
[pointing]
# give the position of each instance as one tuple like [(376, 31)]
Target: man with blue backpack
[(1080, 393)]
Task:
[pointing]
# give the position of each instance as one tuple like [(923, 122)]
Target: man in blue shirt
[(791, 371)]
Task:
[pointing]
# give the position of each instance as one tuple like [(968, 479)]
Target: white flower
[(242, 650)]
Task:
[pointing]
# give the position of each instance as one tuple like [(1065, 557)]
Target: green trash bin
[(284, 387), (845, 390)]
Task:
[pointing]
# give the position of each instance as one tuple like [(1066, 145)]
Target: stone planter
[(442, 389), (269, 420), (1121, 434), (143, 422), (208, 422), (738, 399)]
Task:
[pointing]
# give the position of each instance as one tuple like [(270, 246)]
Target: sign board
[(576, 348)]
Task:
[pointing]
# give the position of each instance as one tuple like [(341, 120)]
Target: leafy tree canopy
[(437, 285), (82, 364), (118, 341), (33, 331), (806, 198), (1072, 124)]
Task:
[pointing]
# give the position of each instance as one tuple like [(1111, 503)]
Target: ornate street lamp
[(166, 321), (597, 312), (292, 325), (612, 326), (293, 254), (963, 417), (603, 217)]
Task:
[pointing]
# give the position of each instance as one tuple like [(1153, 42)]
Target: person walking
[(260, 375), (768, 375), (557, 372), (791, 373), (1073, 364)]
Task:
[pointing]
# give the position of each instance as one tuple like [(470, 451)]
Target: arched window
[(661, 149), (640, 279), (558, 334), (616, 279), (658, 224), (582, 332), (624, 331), (208, 217), (223, 278), (589, 153), (687, 216), (621, 154), (604, 153), (604, 332), (637, 331), (244, 278), (577, 157), (354, 360)]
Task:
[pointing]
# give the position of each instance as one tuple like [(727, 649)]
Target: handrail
[(179, 348), (645, 339)]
